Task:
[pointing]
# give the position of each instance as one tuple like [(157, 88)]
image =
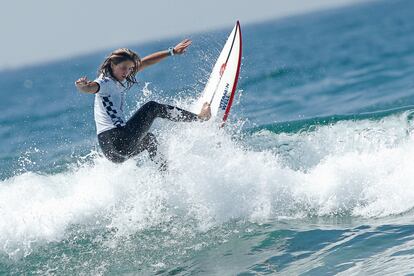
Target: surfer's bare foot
[(205, 113)]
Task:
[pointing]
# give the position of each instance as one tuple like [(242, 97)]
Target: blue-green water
[(312, 175)]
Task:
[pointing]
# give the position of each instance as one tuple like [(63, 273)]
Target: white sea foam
[(357, 168)]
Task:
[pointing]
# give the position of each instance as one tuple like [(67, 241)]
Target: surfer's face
[(123, 69)]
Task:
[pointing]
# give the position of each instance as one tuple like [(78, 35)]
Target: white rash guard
[(109, 104)]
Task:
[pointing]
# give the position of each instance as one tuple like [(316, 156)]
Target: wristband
[(171, 51)]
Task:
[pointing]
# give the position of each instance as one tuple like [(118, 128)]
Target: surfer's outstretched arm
[(156, 57), (87, 86)]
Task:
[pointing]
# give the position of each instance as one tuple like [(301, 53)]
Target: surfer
[(120, 139)]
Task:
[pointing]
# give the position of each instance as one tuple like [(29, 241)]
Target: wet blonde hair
[(116, 57)]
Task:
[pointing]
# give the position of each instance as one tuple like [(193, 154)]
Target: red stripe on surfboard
[(226, 113)]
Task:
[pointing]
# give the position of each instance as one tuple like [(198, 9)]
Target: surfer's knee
[(151, 105), (151, 108)]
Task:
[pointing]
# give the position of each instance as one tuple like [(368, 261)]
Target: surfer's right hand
[(205, 113), (87, 86), (82, 82)]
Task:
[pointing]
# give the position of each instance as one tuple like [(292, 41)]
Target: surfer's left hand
[(181, 47), (205, 113)]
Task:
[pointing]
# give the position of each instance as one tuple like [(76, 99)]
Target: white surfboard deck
[(222, 84)]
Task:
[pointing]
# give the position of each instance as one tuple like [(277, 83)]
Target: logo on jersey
[(111, 111)]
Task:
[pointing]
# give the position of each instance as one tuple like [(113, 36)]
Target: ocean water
[(312, 175)]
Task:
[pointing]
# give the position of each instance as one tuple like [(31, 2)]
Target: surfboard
[(222, 83)]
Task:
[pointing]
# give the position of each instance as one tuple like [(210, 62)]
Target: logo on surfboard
[(222, 68), (226, 97)]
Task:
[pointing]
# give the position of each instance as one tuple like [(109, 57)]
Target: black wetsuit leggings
[(119, 144)]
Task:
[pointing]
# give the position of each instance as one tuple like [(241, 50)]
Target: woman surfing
[(122, 139)]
